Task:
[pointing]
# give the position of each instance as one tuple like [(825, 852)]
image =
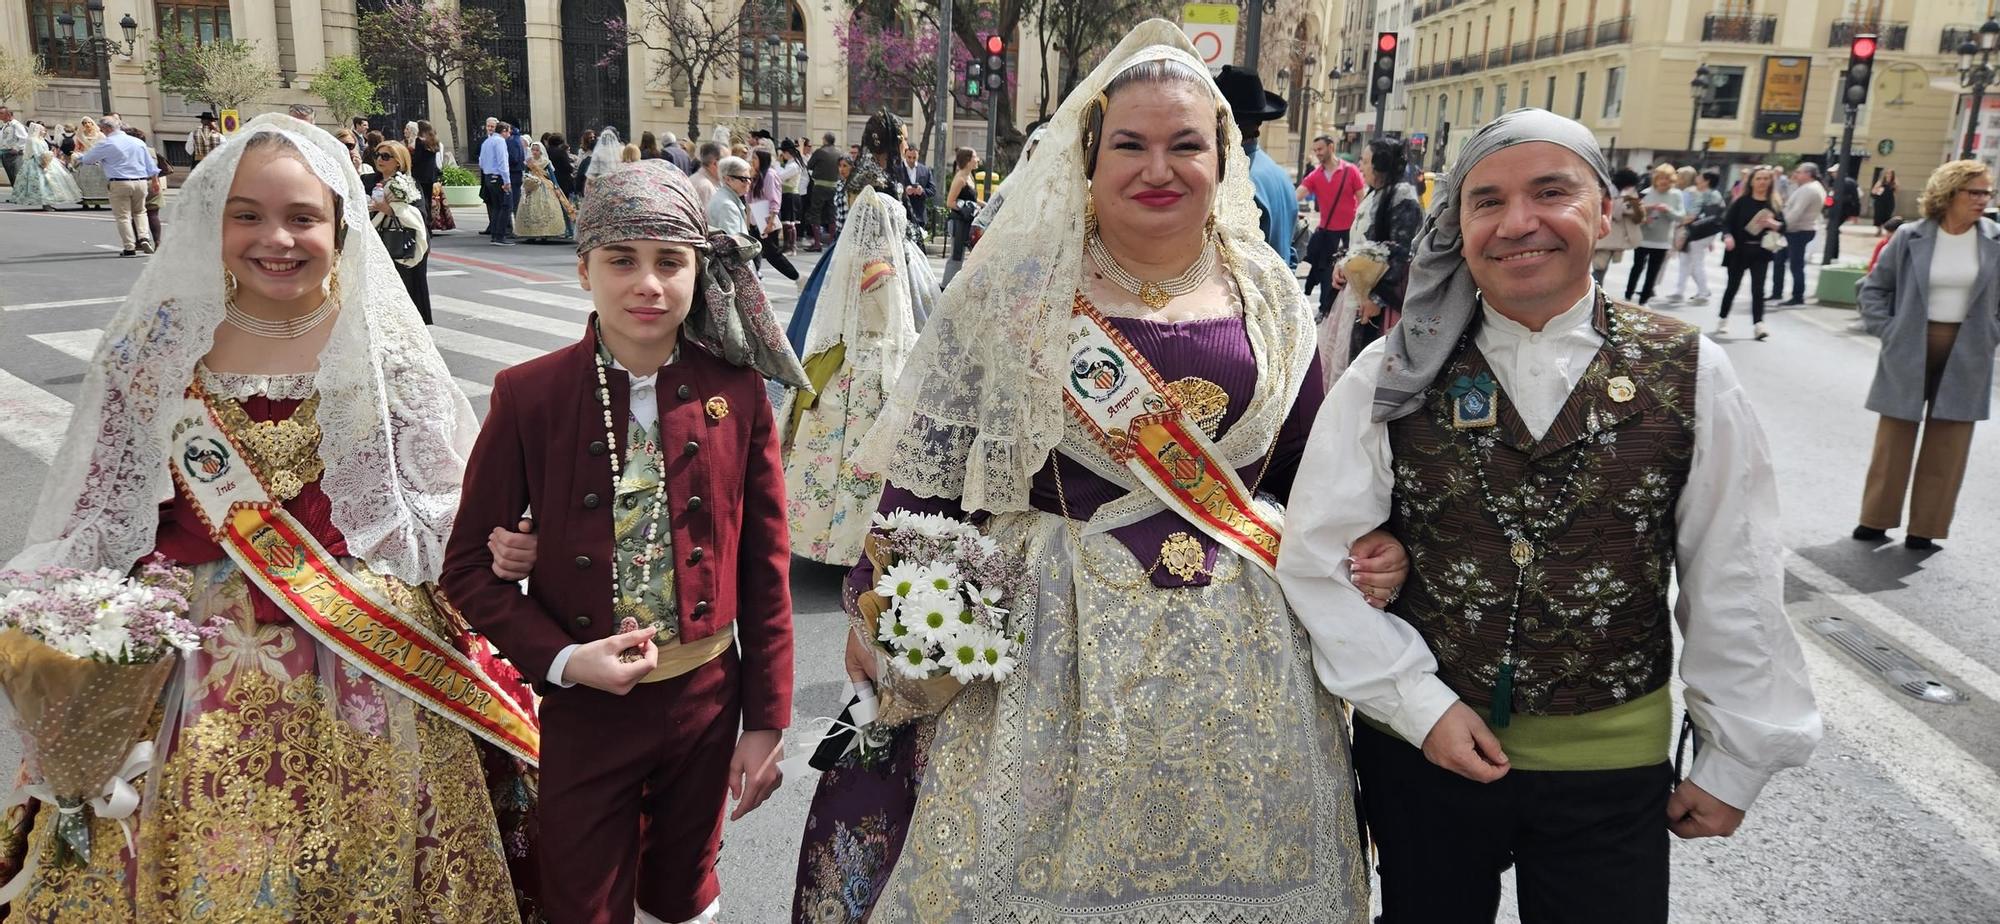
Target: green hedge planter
[(1838, 285)]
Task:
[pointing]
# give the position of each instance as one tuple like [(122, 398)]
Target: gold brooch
[(1621, 389), (718, 408), (1182, 556), (1203, 401)]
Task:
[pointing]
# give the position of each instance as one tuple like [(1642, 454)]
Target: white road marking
[(80, 344), (34, 419), (1914, 639), (72, 303), (486, 348), (568, 329), (448, 273), (1920, 760), (547, 298)]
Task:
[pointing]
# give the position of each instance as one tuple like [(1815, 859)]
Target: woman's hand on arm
[(1379, 564)]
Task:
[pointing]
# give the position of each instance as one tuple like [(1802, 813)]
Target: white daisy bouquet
[(83, 657), (938, 610)]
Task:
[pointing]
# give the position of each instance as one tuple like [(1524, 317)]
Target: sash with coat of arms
[(1121, 400)]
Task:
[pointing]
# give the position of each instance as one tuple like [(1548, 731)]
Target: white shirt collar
[(1577, 315)]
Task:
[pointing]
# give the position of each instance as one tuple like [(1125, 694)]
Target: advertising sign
[(1781, 104)]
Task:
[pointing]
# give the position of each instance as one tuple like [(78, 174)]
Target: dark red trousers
[(633, 791)]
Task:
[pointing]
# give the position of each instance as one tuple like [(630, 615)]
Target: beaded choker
[(289, 329), (1156, 295)]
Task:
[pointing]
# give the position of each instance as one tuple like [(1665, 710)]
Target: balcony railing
[(1894, 36), (1726, 27), (1545, 47), (1576, 39), (1496, 58), (1464, 65), (1519, 52), (1614, 32), (1950, 39), (1410, 76)]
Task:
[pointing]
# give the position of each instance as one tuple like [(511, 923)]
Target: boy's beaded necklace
[(627, 606)]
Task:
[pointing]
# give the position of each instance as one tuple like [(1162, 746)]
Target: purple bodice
[(1217, 350)]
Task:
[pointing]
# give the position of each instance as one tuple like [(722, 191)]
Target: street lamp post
[(771, 84), (1701, 91), (1977, 76), (101, 48)]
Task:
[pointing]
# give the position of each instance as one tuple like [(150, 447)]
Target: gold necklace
[(285, 452), (1156, 295)]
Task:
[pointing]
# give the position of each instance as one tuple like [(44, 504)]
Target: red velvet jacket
[(542, 449)]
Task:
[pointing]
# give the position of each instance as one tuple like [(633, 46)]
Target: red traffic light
[(995, 45), (1864, 47), (1385, 42)]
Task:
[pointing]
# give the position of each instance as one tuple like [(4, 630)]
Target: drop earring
[(228, 287)]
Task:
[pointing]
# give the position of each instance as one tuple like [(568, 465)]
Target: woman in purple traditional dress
[(1165, 751)]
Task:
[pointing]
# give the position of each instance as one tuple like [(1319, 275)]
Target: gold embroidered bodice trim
[(285, 453), (1204, 401)]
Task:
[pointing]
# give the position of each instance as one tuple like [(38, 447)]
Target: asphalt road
[(1897, 818)]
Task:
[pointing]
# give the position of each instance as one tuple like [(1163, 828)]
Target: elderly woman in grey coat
[(1934, 299)]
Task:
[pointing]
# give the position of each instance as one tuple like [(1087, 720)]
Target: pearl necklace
[(627, 606), (1156, 295), (289, 329)]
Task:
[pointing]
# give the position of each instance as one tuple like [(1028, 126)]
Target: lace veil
[(395, 429), (605, 156), (979, 405), (876, 229)]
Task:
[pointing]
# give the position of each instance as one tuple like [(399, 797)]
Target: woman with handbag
[(1628, 220), (1705, 208), (393, 209), (1754, 230)]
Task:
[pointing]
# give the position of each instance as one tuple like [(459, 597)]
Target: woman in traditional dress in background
[(1164, 751), (544, 211), (291, 783), (43, 180), (860, 336), (87, 136)]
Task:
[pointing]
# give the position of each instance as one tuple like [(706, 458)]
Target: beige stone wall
[(1652, 123)]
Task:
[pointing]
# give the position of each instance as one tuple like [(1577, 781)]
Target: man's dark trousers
[(1797, 244), (499, 214), (1325, 246), (1590, 846)]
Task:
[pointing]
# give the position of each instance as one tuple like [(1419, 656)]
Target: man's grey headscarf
[(1442, 299)]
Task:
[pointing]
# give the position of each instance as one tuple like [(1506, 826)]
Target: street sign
[(1716, 142), (230, 121), (1212, 29), (1781, 104)]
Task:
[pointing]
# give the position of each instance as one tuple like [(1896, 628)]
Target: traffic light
[(973, 80), (996, 62), (1383, 77), (1860, 69)]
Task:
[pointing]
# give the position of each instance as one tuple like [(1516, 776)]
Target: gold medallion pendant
[(1154, 295), (1522, 553), (1621, 389), (1182, 556)]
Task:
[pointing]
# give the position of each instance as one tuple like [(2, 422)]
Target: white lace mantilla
[(396, 430), (979, 404)]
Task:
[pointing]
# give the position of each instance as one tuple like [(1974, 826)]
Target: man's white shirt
[(1747, 687)]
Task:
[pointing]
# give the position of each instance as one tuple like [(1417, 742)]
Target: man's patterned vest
[(1593, 624)]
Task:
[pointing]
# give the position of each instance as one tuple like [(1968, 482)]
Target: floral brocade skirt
[(1161, 757), (829, 503), (295, 789)]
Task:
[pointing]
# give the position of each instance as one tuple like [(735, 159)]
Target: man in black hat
[(1253, 106), (203, 139)]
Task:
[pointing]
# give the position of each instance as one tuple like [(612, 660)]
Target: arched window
[(771, 71)]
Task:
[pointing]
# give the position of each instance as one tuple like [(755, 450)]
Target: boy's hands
[(600, 665), (753, 770)]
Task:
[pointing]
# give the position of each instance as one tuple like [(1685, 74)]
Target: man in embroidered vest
[(648, 454), (1550, 457)]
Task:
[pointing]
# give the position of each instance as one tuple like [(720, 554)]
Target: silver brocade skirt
[(1162, 756)]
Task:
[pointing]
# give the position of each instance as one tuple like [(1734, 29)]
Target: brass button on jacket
[(683, 392)]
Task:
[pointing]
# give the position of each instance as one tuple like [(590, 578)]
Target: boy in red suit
[(657, 618)]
